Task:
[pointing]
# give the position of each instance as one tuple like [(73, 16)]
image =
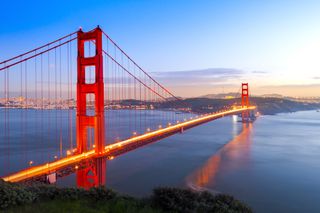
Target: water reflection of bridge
[(228, 157)]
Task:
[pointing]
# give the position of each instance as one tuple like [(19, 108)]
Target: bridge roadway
[(117, 148)]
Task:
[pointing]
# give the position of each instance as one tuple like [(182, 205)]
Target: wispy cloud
[(199, 77), (200, 82), (292, 86), (259, 72), (220, 80), (302, 90)]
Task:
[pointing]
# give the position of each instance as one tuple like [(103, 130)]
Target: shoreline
[(289, 112)]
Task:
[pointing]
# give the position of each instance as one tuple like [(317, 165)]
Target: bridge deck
[(117, 148)]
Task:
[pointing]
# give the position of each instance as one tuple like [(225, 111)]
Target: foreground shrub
[(100, 193), (180, 200), (164, 199), (187, 201), (14, 194), (228, 204)]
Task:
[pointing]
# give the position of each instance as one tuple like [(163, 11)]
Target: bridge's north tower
[(94, 173), (245, 101)]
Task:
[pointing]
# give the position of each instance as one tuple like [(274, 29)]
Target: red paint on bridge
[(148, 90)]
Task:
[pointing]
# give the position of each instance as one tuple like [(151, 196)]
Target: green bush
[(164, 199), (14, 194), (187, 201), (226, 204), (173, 199), (205, 201), (44, 192), (100, 193)]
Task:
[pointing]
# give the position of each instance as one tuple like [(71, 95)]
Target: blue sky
[(276, 44)]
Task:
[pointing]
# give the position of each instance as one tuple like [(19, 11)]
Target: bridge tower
[(95, 120), (245, 101)]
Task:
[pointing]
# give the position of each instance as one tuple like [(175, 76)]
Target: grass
[(85, 206)]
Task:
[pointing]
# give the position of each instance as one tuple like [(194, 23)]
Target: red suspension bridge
[(59, 117)]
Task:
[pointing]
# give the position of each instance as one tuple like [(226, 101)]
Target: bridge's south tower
[(94, 174)]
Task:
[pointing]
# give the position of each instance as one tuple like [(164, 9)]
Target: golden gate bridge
[(75, 95)]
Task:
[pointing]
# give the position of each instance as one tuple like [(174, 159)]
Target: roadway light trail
[(109, 150)]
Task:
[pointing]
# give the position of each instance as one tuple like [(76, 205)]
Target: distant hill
[(272, 96), (266, 105), (221, 95), (270, 106), (237, 95)]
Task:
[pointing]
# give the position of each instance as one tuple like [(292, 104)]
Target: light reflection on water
[(273, 164), (240, 145)]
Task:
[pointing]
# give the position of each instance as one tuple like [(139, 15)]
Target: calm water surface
[(272, 164)]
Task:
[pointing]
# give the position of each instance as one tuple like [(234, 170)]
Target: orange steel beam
[(245, 101), (85, 121), (108, 150), (95, 88)]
